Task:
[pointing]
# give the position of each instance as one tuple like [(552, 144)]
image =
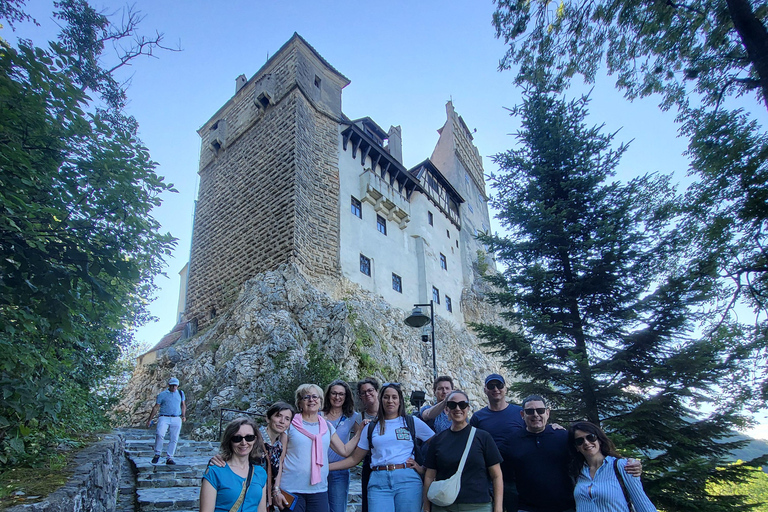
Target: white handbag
[(444, 492)]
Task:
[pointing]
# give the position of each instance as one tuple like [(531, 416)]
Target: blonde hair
[(308, 388)]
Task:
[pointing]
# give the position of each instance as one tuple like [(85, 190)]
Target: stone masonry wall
[(94, 485), (269, 195)]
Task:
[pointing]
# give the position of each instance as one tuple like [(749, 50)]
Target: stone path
[(147, 487)]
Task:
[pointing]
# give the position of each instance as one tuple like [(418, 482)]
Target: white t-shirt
[(396, 445), (298, 460)]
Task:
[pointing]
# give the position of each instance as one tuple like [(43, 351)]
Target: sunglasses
[(307, 398), (578, 441), (250, 438), (461, 405), (391, 384), (492, 386), (538, 410)]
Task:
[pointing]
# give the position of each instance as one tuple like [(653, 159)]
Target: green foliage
[(607, 306), (482, 263), (754, 488), (319, 369), (698, 56), (78, 245)]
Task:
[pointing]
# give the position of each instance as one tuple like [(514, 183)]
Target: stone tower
[(269, 180)]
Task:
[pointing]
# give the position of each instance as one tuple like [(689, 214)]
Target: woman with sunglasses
[(339, 411), (305, 467), (482, 467), (395, 483), (222, 487), (597, 467)]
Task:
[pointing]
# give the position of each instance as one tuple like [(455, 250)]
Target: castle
[(286, 177)]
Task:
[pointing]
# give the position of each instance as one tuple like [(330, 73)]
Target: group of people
[(506, 457)]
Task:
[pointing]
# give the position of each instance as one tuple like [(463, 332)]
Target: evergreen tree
[(602, 309)]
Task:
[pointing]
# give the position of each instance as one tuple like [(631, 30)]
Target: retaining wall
[(94, 485)]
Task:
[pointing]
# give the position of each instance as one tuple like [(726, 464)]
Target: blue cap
[(173, 382), (495, 376)]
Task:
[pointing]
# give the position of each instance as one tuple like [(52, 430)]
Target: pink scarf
[(317, 446)]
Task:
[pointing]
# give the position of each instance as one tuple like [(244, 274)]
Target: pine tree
[(602, 309)]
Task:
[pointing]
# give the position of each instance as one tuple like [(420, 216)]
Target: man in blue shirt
[(436, 416), (173, 411), (500, 419)]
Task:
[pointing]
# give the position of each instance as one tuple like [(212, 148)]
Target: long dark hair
[(348, 407), (225, 447), (401, 408), (577, 459)]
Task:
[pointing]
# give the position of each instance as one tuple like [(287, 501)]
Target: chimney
[(395, 143), (239, 83)]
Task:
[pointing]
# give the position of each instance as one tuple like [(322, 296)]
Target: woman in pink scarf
[(305, 469)]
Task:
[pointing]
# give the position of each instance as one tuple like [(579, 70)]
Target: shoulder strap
[(621, 483), (371, 426), (244, 491), (412, 429), (182, 395), (466, 450)]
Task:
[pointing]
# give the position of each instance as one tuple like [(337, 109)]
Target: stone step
[(169, 498)]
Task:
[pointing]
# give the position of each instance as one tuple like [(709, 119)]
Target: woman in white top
[(305, 467), (395, 483)]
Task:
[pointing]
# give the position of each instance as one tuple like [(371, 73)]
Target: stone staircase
[(148, 487)]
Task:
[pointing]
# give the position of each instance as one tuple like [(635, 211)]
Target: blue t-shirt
[(500, 424), (439, 423), (170, 403), (229, 485), (343, 426), (540, 462)]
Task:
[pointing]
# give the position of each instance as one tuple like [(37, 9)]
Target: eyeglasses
[(538, 410), (338, 393), (371, 391), (578, 441), (492, 386), (250, 438), (461, 405), (307, 398)]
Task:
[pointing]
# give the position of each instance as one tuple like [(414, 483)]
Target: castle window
[(357, 208), (397, 283), (317, 81), (443, 262), (447, 233), (365, 265), (430, 218), (381, 224), (472, 210), (466, 178), (448, 304), (436, 295), (479, 200), (457, 244)]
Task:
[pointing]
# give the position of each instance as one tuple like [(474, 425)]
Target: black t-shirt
[(444, 455)]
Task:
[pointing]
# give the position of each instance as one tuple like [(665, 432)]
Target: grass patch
[(35, 483)]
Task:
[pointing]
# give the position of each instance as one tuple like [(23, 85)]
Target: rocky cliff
[(279, 322)]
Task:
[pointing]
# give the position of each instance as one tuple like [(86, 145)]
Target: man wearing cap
[(173, 410), (500, 419)]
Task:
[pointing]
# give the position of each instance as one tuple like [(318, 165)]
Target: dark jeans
[(366, 476), (510, 497), (315, 502)]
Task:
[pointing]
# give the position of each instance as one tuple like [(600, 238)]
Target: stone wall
[(268, 181), (94, 485), (253, 348)]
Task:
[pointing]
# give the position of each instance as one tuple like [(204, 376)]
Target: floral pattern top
[(274, 451)]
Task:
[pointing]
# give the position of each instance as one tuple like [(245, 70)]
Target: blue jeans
[(398, 490), (315, 502), (338, 489)]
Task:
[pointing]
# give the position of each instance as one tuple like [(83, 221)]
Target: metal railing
[(223, 409)]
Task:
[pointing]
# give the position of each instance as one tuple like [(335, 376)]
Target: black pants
[(366, 475)]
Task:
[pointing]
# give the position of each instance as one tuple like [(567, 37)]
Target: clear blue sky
[(405, 59)]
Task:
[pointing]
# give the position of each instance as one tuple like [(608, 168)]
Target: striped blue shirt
[(603, 492)]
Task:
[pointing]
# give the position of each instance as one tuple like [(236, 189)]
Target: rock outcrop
[(249, 351)]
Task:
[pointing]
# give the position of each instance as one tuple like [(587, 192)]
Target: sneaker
[(170, 461), (155, 459)]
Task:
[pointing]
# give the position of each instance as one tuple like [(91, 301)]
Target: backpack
[(419, 447)]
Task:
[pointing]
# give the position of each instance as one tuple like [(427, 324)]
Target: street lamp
[(419, 319)]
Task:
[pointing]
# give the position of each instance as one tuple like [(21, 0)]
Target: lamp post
[(419, 319)]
